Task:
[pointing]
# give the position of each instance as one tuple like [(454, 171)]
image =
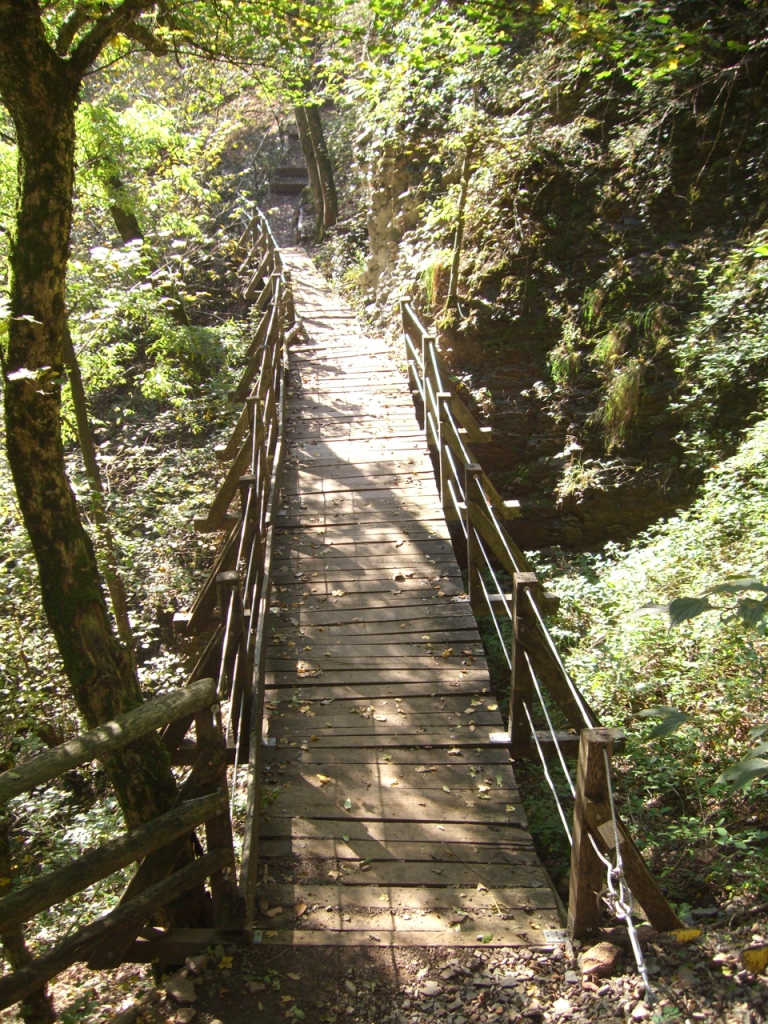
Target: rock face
[(547, 451)]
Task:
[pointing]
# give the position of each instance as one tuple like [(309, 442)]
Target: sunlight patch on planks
[(389, 817)]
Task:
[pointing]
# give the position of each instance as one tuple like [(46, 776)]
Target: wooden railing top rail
[(477, 512), (152, 715)]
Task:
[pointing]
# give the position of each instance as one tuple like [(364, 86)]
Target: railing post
[(424, 343), (443, 405), (521, 686), (290, 306), (587, 870), (228, 910), (472, 473)]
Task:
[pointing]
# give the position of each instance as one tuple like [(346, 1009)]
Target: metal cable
[(558, 748), (553, 647), (455, 471), (502, 595), (547, 775), (622, 899), (456, 505), (495, 622)]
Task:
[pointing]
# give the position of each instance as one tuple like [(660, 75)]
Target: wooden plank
[(470, 755), (535, 893), (531, 937), (456, 834), (174, 945), (329, 850), (453, 630)]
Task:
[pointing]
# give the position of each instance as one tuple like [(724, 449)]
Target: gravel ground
[(699, 980)]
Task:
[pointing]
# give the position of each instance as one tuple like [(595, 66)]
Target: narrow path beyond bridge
[(390, 819)]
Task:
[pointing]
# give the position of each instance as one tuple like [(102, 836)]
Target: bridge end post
[(520, 684)]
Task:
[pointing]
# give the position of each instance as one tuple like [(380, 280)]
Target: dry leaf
[(292, 976), (755, 959), (338, 593), (274, 911), (399, 543), (298, 910), (448, 652), (492, 707), (324, 779), (684, 935), (305, 670), (446, 789)]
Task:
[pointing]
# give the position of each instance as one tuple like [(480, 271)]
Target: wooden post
[(588, 873), (521, 685), (290, 306), (443, 425), (472, 474), (218, 831)]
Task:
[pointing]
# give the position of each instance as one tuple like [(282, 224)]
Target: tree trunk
[(324, 169), (458, 238), (126, 222), (305, 138), (40, 91), (88, 449), (36, 1008)]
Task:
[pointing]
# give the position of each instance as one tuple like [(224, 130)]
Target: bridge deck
[(391, 820)]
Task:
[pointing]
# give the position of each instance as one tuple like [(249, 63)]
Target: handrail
[(223, 696), (470, 500)]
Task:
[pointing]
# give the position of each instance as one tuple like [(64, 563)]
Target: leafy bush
[(712, 671)]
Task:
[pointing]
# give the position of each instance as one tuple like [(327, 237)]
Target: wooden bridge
[(340, 680)]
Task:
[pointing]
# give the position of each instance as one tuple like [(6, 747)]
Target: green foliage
[(701, 685)]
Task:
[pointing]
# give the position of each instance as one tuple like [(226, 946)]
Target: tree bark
[(36, 1008), (324, 168), (109, 563), (126, 221), (40, 90), (305, 138)]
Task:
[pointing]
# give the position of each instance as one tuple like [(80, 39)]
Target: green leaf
[(735, 586), (671, 720), (740, 774), (347, 804), (751, 611), (683, 608)]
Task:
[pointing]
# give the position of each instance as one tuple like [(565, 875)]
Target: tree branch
[(104, 31), (69, 30), (141, 34)]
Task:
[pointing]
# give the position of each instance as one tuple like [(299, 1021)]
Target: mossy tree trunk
[(40, 90), (305, 138), (324, 167)]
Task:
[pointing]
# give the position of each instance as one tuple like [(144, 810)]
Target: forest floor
[(702, 980)]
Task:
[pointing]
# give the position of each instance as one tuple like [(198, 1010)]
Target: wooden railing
[(223, 699), (231, 608), (541, 688)]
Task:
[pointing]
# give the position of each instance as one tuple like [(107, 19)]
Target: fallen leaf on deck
[(347, 804), (324, 779), (684, 935), (446, 789), (274, 911), (298, 910), (492, 707), (756, 959), (448, 652)]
